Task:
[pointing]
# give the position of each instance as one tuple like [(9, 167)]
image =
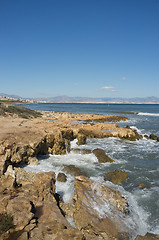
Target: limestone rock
[(67, 208), (101, 155), (61, 177), (10, 171), (143, 185), (148, 236), (81, 139), (73, 170), (116, 176), (153, 137), (100, 212), (19, 207), (32, 161), (53, 225), (59, 145)]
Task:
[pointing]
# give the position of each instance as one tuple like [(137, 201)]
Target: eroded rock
[(116, 176), (61, 177), (101, 156), (81, 139), (148, 236), (73, 170), (100, 212)]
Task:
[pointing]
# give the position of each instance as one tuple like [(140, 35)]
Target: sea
[(140, 159)]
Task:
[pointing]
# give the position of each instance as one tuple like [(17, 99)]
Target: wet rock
[(143, 185), (153, 137), (61, 177), (148, 236), (100, 211), (146, 136), (101, 155), (132, 137), (110, 119), (73, 170), (81, 151), (116, 176), (81, 139)]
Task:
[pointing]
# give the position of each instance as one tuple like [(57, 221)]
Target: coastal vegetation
[(6, 222), (18, 110)]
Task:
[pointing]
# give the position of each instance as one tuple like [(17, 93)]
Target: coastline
[(22, 140)]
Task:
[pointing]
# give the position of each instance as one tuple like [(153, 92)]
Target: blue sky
[(87, 48)]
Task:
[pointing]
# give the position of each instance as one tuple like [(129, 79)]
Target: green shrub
[(6, 222)]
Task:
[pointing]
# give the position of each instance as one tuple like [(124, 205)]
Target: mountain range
[(67, 99)]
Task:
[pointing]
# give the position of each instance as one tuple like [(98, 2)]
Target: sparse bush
[(6, 222), (21, 111)]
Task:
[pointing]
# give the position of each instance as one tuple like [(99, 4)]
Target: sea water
[(140, 159)]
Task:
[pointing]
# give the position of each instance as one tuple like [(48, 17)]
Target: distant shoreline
[(138, 103)]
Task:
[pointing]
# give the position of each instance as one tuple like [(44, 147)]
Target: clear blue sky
[(91, 48)]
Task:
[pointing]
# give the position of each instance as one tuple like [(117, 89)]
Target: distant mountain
[(67, 99), (9, 95)]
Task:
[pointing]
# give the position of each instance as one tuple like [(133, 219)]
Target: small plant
[(6, 222)]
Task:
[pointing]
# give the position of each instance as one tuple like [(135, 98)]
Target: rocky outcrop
[(73, 170), (18, 153), (116, 176), (153, 137), (30, 199), (109, 130), (143, 185), (100, 212), (148, 236), (101, 156)]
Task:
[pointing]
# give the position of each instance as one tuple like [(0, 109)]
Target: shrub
[(6, 222)]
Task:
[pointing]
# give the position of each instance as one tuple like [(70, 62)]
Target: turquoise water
[(140, 159)]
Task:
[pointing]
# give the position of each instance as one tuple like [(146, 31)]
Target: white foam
[(66, 189), (148, 114)]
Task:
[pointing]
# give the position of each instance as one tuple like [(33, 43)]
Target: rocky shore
[(30, 208)]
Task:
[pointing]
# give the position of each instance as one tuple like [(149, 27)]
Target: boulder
[(100, 212), (148, 236), (146, 136), (116, 176), (101, 155), (153, 137), (73, 170), (143, 185), (61, 177)]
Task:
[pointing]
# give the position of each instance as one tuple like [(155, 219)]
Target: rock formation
[(95, 208), (116, 176), (101, 156)]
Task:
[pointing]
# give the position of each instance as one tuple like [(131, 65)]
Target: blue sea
[(140, 159)]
